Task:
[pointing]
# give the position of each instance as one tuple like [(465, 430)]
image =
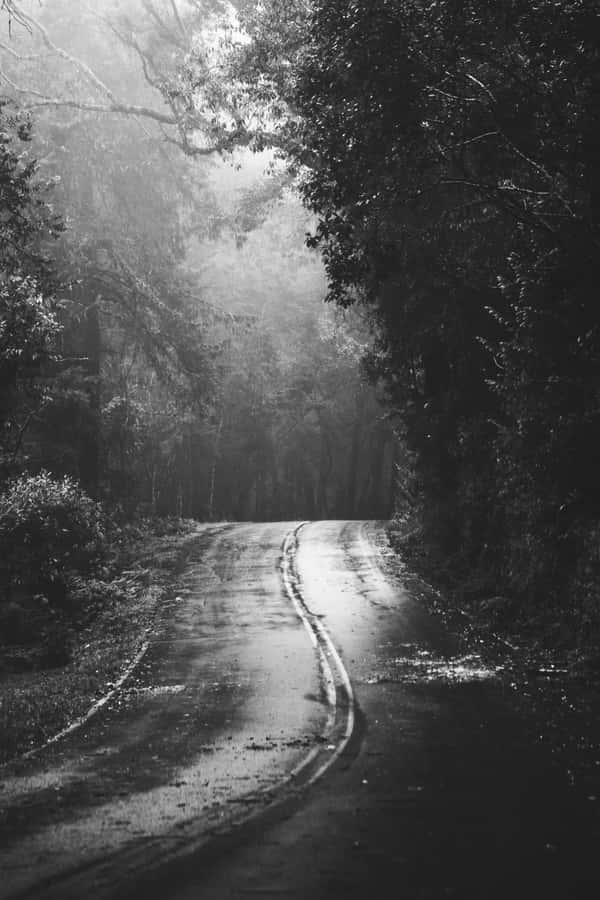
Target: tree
[(297, 430), (29, 323), (182, 394), (175, 44), (136, 326)]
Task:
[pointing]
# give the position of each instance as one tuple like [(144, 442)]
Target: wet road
[(301, 728)]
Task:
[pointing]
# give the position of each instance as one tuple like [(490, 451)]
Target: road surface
[(301, 727)]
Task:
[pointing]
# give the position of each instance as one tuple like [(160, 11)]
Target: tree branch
[(455, 97), (30, 91), (131, 42), (151, 10), (481, 85), (79, 64), (112, 108), (180, 24), (474, 140), (184, 118), (13, 13), (18, 56)]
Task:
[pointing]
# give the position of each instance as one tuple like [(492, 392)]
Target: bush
[(49, 530)]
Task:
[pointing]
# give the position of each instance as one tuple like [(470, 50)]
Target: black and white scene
[(299, 449)]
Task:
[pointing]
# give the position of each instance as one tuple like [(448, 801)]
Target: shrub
[(49, 530)]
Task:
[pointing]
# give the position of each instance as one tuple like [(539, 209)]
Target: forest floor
[(48, 683), (554, 682)]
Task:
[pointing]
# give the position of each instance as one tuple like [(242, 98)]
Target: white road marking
[(336, 683), (96, 707), (325, 648), (320, 640)]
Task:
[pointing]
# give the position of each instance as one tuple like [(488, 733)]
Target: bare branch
[(474, 140), (23, 428), (13, 13), (21, 58), (79, 64), (131, 42), (180, 24), (29, 91), (481, 85), (115, 108), (169, 34), (531, 162), (177, 114), (458, 99)]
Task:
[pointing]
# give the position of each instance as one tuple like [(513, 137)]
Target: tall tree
[(136, 325), (29, 322)]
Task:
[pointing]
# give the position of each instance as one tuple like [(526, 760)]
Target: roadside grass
[(42, 692)]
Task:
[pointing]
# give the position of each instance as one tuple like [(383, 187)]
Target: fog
[(201, 373)]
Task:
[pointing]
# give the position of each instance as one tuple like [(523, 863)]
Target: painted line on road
[(326, 650), (335, 678), (96, 707)]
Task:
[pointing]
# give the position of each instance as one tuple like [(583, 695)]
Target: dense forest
[(184, 182), (450, 153)]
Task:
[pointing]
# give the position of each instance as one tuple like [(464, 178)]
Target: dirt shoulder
[(39, 695), (556, 687)]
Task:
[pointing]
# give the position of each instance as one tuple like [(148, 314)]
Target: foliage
[(134, 328), (184, 385), (49, 529), (295, 426), (450, 153), (28, 326), (29, 323)]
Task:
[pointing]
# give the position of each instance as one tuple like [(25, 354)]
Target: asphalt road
[(302, 728)]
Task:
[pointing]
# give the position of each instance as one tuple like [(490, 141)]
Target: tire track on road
[(338, 687)]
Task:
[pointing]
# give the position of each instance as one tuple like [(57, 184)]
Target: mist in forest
[(196, 369), (289, 260)]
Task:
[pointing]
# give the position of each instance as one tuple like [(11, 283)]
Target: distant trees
[(183, 385), (296, 428), (136, 355)]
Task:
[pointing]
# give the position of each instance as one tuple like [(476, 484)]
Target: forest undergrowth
[(51, 674)]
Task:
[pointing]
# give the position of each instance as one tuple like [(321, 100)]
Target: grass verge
[(40, 696)]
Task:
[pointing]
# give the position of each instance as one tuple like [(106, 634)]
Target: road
[(302, 727)]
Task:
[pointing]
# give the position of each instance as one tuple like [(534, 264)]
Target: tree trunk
[(352, 484), (375, 502), (325, 467), (154, 490), (213, 470), (89, 451)]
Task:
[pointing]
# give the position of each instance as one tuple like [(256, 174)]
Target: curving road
[(300, 728)]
